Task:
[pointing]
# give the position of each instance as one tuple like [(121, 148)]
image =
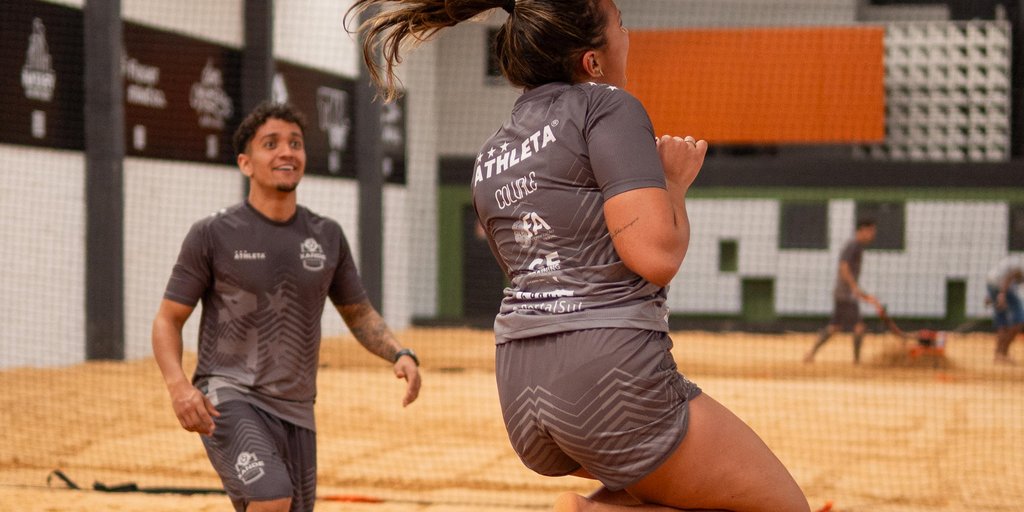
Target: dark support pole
[(371, 184), (104, 181), (257, 58)]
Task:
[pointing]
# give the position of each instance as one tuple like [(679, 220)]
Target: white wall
[(735, 13), (945, 240), (218, 22), (927, 12), (410, 284), (699, 286), (312, 33), (42, 264), (69, 3)]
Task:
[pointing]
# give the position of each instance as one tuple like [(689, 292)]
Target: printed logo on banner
[(37, 75), (279, 91), (142, 83), (391, 135), (209, 100), (333, 117), (139, 137)]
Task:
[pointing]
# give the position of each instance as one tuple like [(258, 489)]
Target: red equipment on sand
[(928, 341)]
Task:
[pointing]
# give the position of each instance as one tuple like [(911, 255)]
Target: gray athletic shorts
[(608, 400), (845, 314), (261, 457)]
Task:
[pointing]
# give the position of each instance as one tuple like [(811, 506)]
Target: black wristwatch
[(406, 352)]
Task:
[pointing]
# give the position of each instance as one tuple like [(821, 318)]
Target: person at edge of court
[(263, 270), (1002, 284), (846, 293), (584, 209)]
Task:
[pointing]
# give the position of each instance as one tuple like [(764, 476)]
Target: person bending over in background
[(1007, 313), (585, 212), (263, 270), (847, 292)]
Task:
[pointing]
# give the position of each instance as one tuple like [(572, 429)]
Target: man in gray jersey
[(847, 292), (263, 270)]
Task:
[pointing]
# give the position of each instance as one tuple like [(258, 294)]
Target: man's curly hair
[(259, 116)]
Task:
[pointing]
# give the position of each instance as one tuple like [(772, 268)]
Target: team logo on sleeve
[(312, 255), (249, 467)]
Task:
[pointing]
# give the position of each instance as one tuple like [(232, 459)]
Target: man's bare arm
[(369, 329)]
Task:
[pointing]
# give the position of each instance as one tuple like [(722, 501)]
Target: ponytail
[(403, 22), (541, 42)]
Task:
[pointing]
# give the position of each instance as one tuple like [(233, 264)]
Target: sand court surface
[(896, 433)]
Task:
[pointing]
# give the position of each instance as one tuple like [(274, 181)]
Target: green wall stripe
[(452, 199)]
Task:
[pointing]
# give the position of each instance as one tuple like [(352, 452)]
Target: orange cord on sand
[(351, 498), (826, 508)]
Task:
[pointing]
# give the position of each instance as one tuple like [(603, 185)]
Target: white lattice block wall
[(947, 92)]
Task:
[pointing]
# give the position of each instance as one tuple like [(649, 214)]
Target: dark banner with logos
[(41, 87), (327, 102), (182, 95)]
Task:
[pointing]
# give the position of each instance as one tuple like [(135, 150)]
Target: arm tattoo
[(369, 329), (619, 231)]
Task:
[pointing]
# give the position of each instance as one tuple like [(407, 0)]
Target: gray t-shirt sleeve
[(851, 254), (192, 273), (620, 141), (346, 287)]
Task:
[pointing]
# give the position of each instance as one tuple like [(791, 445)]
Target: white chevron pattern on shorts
[(608, 421)]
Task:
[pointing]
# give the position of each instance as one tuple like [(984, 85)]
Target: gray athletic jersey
[(852, 254), (539, 187), (263, 285)]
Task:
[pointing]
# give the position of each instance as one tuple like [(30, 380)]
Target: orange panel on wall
[(791, 85)]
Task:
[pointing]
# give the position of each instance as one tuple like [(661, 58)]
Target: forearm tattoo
[(619, 231), (370, 330)]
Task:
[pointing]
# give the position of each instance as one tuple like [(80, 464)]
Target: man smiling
[(263, 270)]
